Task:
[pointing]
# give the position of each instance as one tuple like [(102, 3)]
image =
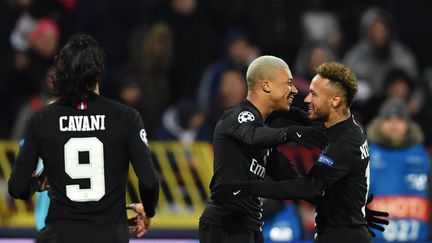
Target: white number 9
[(94, 170)]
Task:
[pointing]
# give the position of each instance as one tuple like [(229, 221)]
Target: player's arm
[(333, 164), (294, 116), (259, 136), (142, 163), (21, 184), (279, 167), (298, 188)]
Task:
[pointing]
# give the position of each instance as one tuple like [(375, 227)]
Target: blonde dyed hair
[(264, 68)]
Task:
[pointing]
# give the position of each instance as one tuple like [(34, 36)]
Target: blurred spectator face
[(45, 37), (197, 120), (21, 3), (378, 33), (241, 52), (232, 88), (183, 7), (130, 94), (394, 128), (317, 57), (158, 41), (398, 89)]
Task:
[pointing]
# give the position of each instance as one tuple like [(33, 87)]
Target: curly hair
[(78, 67), (341, 76)]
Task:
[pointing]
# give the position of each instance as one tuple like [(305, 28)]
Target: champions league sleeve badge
[(245, 116)]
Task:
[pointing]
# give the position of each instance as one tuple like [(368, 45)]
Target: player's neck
[(337, 116), (96, 89), (259, 103)]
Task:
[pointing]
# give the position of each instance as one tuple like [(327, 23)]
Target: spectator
[(231, 89), (194, 45), (424, 116), (184, 121), (400, 168), (147, 73), (377, 51), (309, 57), (238, 52), (397, 85), (25, 74)]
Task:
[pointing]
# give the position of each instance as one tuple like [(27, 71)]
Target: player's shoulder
[(117, 107), (242, 112)]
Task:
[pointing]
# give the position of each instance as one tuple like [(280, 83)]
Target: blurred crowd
[(180, 63)]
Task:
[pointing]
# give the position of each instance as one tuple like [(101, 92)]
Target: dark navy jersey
[(242, 148), (344, 167), (86, 153)]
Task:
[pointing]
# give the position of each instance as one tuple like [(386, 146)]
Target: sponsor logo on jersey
[(143, 136), (245, 116), (257, 169), (325, 160)]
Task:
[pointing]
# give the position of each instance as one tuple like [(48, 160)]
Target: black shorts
[(211, 233), (358, 234), (70, 233)]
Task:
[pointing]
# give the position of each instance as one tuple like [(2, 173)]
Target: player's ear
[(265, 86), (336, 100)]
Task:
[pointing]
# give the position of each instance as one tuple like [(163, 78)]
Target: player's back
[(86, 160)]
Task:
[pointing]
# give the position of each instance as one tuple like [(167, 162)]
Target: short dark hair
[(78, 67), (341, 76)]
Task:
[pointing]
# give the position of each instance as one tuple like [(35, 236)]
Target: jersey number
[(93, 170)]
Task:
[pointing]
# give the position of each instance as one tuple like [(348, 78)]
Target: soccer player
[(343, 165), (86, 142), (243, 151)]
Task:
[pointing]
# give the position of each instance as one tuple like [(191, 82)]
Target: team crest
[(245, 116), (143, 135)]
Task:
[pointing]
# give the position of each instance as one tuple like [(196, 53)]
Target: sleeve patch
[(143, 135), (245, 116), (325, 160)]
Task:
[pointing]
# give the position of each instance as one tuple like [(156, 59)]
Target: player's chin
[(311, 115), (285, 107)]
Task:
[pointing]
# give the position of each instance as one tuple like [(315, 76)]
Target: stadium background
[(198, 39)]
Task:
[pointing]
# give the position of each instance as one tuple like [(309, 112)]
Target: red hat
[(44, 27)]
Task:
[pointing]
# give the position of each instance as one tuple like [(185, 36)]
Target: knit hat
[(394, 107), (44, 27)]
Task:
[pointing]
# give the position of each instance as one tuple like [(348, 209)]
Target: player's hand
[(41, 180), (374, 218), (314, 136), (140, 223), (225, 192)]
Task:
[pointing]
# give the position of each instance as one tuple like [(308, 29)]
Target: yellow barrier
[(184, 170)]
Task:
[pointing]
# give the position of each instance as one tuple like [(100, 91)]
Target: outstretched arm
[(298, 188)]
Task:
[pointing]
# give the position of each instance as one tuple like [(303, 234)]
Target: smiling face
[(282, 89), (319, 99)]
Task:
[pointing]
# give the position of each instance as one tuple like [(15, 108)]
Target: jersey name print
[(82, 123), (364, 148)]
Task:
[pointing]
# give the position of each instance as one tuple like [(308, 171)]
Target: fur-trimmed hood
[(414, 135)]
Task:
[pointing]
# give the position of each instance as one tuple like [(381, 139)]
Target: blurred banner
[(184, 170)]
